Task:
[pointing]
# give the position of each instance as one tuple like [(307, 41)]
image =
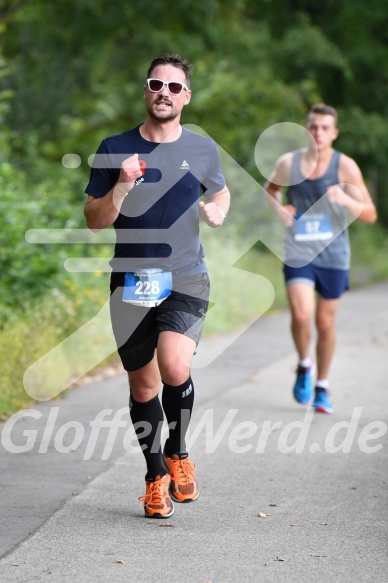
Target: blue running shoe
[(303, 388), (321, 401)]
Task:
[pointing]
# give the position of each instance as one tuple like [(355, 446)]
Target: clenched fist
[(129, 172), (211, 214)]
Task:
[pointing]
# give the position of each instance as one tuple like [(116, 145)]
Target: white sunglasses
[(174, 87)]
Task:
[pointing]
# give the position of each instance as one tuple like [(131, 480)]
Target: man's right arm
[(279, 178), (103, 211)]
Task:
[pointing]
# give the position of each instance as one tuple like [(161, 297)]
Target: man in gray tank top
[(325, 192)]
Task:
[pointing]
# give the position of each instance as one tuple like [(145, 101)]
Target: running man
[(317, 250), (147, 182)]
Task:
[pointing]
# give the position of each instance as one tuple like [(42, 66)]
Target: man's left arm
[(352, 192), (215, 209)]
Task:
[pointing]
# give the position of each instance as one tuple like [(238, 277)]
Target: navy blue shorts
[(330, 284)]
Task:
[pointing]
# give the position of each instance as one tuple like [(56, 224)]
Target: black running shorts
[(136, 328)]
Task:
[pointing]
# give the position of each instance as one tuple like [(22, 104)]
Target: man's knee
[(174, 371), (143, 385), (301, 317), (325, 317), (325, 324)]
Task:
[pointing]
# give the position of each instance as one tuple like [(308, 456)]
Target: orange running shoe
[(157, 502), (183, 487)]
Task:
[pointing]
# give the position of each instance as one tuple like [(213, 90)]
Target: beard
[(166, 116)]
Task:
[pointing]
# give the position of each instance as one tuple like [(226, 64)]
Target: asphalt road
[(286, 495)]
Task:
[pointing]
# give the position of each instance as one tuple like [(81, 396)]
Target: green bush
[(45, 323)]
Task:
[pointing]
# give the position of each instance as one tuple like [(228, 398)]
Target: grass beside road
[(253, 286)]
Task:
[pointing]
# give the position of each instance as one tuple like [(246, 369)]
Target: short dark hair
[(323, 109), (175, 60)]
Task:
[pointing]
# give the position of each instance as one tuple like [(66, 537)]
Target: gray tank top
[(319, 235)]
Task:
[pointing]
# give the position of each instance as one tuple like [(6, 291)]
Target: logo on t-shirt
[(143, 165), (185, 165)]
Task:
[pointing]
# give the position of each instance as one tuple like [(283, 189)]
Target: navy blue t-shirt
[(158, 224)]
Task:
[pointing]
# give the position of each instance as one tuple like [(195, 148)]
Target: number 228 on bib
[(148, 287)]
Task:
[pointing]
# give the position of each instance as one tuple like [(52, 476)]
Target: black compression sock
[(177, 404), (147, 419)]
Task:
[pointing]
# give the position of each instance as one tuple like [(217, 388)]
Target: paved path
[(66, 519)]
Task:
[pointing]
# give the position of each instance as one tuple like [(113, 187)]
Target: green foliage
[(44, 323), (28, 270)]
